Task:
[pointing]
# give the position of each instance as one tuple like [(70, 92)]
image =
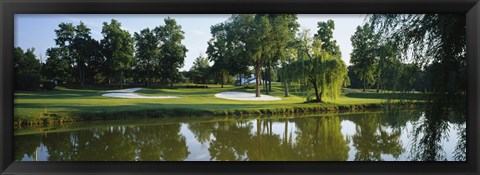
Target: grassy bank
[(67, 104)]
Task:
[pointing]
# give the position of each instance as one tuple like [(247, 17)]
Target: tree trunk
[(364, 84), (121, 80), (378, 87), (265, 86), (223, 78), (257, 79), (285, 86), (314, 82), (171, 79), (240, 79), (148, 78), (269, 78), (82, 76)]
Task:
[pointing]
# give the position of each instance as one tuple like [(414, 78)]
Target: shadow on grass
[(82, 107), (386, 96)]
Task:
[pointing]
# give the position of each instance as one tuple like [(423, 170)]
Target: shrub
[(48, 85)]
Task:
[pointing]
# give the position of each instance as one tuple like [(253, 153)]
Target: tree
[(254, 35), (118, 50), (56, 66), (408, 76), (325, 72), (65, 34), (325, 34), (80, 50), (283, 27), (363, 56), (287, 70), (27, 69), (221, 52), (226, 50), (430, 39), (85, 51), (200, 70), (389, 68), (148, 52), (172, 49)]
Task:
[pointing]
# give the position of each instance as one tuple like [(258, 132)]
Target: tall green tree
[(27, 69), (118, 48), (410, 72), (325, 72), (363, 56), (64, 41), (173, 51), (287, 70), (201, 70), (284, 27), (56, 66), (147, 53), (389, 68), (325, 34), (81, 51), (222, 52), (85, 51), (226, 50), (254, 33)]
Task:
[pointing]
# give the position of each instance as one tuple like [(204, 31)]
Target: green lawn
[(63, 101)]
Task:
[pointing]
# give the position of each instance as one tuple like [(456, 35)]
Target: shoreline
[(46, 119)]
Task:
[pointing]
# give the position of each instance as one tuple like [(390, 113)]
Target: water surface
[(367, 136)]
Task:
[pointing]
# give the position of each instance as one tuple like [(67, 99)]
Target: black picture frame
[(471, 9)]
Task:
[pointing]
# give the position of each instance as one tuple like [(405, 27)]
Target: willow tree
[(425, 39), (363, 56), (325, 72)]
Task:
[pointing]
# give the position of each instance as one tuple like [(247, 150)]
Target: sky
[(37, 30)]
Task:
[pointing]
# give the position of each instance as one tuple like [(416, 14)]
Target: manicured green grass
[(65, 103)]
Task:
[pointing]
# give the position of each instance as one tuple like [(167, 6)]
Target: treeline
[(149, 56), (390, 52)]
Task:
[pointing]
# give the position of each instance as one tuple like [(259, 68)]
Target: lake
[(366, 136)]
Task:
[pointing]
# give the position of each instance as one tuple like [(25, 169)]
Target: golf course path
[(128, 93), (245, 96)]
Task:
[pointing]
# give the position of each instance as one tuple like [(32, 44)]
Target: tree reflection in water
[(371, 140), (434, 127), (371, 136), (113, 143)]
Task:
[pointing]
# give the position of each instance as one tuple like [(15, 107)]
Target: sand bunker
[(245, 96), (130, 90), (128, 93)]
